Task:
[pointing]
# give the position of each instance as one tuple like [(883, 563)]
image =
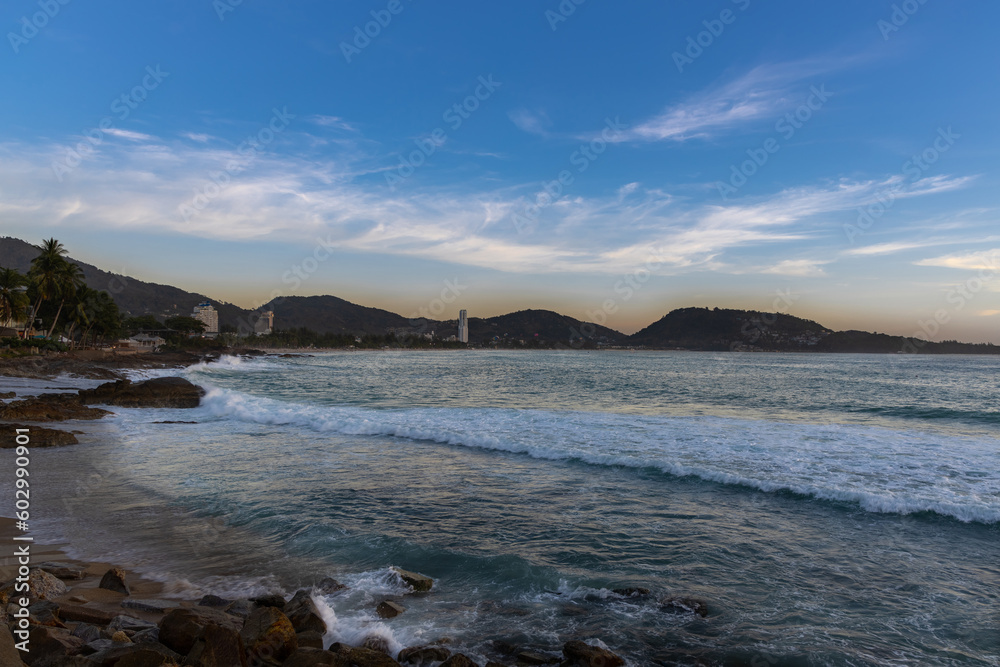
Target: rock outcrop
[(165, 392)]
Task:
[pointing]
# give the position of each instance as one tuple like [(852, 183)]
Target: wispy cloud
[(986, 260), (139, 185), (128, 134), (803, 268), (532, 122), (762, 93)]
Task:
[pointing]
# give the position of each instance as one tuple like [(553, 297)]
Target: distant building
[(210, 316), (264, 324), (145, 342), (463, 326)]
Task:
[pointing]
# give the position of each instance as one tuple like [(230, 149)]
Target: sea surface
[(830, 509)]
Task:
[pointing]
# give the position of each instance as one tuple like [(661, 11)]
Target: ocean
[(829, 509)]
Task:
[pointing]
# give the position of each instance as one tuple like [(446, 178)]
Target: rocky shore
[(86, 614), (90, 614)]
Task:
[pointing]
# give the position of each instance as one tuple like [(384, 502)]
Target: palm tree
[(80, 310), (13, 299), (45, 273), (69, 280)]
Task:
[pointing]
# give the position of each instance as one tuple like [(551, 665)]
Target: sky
[(610, 161)]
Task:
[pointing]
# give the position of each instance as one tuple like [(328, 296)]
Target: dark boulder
[(418, 582), (581, 654), (684, 605), (114, 580), (40, 437), (389, 609), (268, 633), (165, 392), (49, 408), (182, 626), (217, 646), (303, 613)]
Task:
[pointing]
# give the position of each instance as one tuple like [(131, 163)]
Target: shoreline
[(75, 619)]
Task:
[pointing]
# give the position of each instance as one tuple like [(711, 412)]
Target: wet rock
[(389, 609), (376, 643), (85, 614), (164, 392), (459, 660), (241, 608), (217, 647), (9, 655), (269, 600), (681, 605), (43, 586), (635, 592), (310, 639), (301, 610), (581, 654), (128, 623), (44, 612), (213, 601), (147, 636), (493, 663), (418, 582), (40, 437), (268, 634), (97, 645), (48, 408), (181, 627), (150, 606), (420, 656), (7, 394), (314, 657), (329, 585), (87, 632), (63, 570), (46, 642), (114, 580)]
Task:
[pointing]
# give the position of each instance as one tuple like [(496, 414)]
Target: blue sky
[(611, 161)]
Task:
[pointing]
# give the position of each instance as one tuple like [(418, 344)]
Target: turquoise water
[(831, 510)]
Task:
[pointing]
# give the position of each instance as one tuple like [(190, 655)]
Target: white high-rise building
[(264, 324), (210, 316), (463, 327)]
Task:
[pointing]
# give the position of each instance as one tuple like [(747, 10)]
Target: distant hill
[(329, 314), (134, 297), (543, 326), (720, 329), (727, 329)]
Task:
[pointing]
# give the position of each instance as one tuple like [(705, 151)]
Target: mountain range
[(685, 328)]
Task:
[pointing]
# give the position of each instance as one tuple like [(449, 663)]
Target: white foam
[(879, 469)]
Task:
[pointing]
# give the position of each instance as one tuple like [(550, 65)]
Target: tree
[(134, 324), (70, 279), (45, 274), (13, 299), (103, 317), (185, 324)]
